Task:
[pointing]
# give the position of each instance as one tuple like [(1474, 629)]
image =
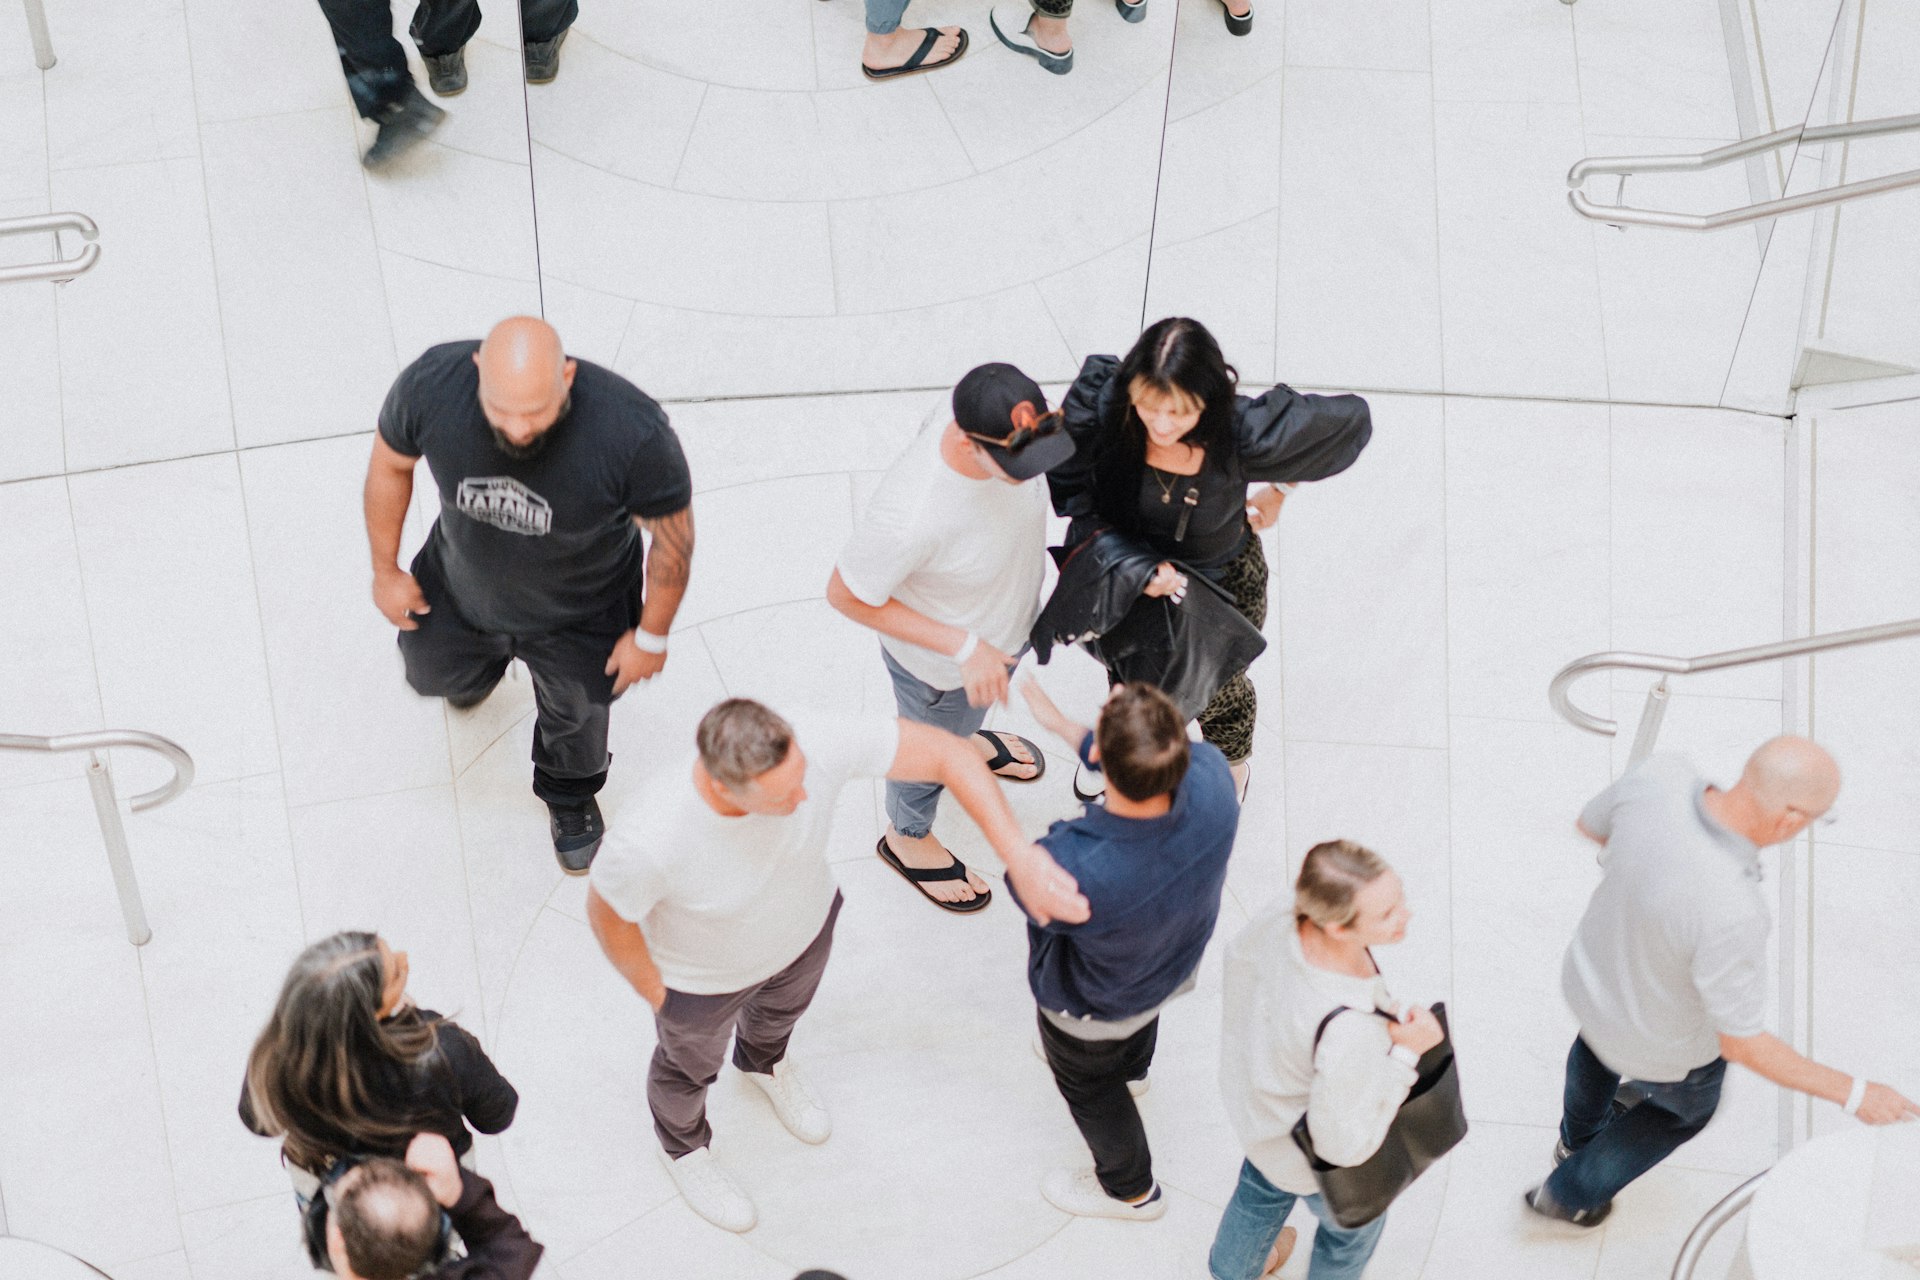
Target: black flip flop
[(1002, 757), (918, 62), (955, 870)]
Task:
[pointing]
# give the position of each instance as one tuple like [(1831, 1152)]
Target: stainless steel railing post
[(1650, 717), (1709, 1226), (113, 830), (37, 28)]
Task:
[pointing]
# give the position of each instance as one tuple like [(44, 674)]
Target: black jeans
[(1613, 1145), (376, 65), (448, 657), (1092, 1076)]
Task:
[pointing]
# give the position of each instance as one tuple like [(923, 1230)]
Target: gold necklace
[(1166, 490)]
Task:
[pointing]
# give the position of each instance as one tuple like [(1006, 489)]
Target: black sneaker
[(577, 832), (402, 126), (543, 59), (447, 74), (1097, 793), (1543, 1204)]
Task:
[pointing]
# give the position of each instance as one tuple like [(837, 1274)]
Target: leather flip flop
[(955, 870), (918, 62), (1003, 755)]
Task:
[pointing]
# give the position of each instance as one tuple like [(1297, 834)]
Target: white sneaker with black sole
[(795, 1104), (1078, 1191), (709, 1190)]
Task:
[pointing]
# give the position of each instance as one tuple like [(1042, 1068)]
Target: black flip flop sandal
[(955, 870), (1003, 756), (918, 63)]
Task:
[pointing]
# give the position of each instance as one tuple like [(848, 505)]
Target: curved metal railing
[(1559, 692), (1709, 1226), (60, 270), (107, 805)]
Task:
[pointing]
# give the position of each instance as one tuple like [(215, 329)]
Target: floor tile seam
[(1439, 277), (831, 473), (597, 1241), (1593, 243), (1043, 1243), (1235, 225), (364, 795), (1057, 144), (219, 294), (467, 271), (1249, 87), (533, 207), (673, 183), (461, 771), (466, 883), (59, 364), (218, 121), (160, 1098), (171, 156), (1159, 174)]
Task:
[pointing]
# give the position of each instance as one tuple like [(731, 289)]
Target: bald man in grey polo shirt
[(1667, 970)]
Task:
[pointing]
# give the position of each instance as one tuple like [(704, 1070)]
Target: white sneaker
[(1137, 1088), (1078, 1191), (786, 1088), (710, 1191)]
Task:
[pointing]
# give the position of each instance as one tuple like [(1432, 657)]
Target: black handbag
[(1431, 1122), (1188, 649)]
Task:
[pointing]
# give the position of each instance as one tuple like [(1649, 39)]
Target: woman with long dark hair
[(1166, 449), (348, 1066)]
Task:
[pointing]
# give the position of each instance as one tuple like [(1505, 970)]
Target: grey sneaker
[(402, 127), (543, 59), (447, 74), (577, 832)]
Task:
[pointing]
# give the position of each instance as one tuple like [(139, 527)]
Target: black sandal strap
[(926, 47), (955, 870), (1003, 755)]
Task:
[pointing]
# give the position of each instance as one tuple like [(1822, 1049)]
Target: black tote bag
[(1431, 1123), (1188, 649)]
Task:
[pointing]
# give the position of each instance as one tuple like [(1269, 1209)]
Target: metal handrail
[(42, 42), (1626, 166), (107, 805), (61, 269), (1558, 691), (1710, 1223)]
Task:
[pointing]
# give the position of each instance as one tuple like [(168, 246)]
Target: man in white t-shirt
[(947, 564), (713, 898)]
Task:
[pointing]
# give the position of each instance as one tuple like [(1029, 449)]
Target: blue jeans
[(883, 16), (911, 805), (1612, 1145), (1252, 1223)]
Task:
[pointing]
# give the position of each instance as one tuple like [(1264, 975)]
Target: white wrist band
[(1856, 1096), (1287, 486), (1405, 1056), (967, 647), (647, 642)]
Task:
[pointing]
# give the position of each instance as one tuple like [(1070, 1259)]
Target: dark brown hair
[(740, 739), (1143, 742), (388, 1220)]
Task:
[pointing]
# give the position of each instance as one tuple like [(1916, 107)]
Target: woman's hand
[(1419, 1031), (1263, 508), (1167, 581)]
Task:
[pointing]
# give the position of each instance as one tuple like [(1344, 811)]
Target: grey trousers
[(911, 805), (693, 1032), (883, 16)]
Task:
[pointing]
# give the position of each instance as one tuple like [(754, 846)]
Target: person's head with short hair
[(1002, 413), (748, 754), (1787, 784), (1348, 892), (382, 1222), (526, 383), (1141, 742)]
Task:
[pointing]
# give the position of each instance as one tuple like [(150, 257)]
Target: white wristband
[(1286, 486), (647, 642), (1855, 1096), (1403, 1055), (967, 647)]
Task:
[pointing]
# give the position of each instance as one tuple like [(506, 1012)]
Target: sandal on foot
[(915, 876), (917, 63), (1021, 41), (1237, 24), (1003, 757)]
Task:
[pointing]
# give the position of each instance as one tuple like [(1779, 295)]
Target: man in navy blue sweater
[(1152, 862)]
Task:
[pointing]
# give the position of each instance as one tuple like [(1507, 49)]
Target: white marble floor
[(1352, 198)]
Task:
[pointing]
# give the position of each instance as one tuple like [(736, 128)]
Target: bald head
[(1792, 773), (525, 379)]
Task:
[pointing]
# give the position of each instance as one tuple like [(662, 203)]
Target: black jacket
[(1189, 650)]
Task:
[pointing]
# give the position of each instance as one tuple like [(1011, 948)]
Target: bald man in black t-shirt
[(548, 470)]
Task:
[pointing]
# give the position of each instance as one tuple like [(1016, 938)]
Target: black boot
[(402, 126)]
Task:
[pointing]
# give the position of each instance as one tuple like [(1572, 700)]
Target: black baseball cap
[(1005, 412)]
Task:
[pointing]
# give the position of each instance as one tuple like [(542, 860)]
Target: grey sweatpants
[(693, 1033)]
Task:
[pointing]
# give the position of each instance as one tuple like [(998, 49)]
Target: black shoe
[(1235, 26), (1541, 1203), (469, 701), (402, 126), (543, 60), (1096, 796), (577, 832), (447, 74), (1132, 12)]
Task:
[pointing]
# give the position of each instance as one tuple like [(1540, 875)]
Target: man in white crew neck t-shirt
[(712, 896), (947, 564)]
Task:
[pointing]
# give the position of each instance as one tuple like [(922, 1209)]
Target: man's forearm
[(669, 569), (899, 621), (386, 497), (1774, 1058), (963, 773), (625, 947)]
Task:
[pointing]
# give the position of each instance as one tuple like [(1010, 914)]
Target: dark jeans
[(693, 1033), (1614, 1145), (376, 65), (448, 657), (1092, 1076)]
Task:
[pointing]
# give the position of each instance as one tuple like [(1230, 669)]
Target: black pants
[(376, 65), (448, 657), (1092, 1076)]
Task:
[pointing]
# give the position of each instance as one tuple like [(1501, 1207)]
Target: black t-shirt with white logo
[(533, 544)]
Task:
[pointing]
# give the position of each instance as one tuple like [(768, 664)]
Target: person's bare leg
[(883, 53), (1050, 34), (1239, 8), (928, 854), (1239, 772), (1020, 754)]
